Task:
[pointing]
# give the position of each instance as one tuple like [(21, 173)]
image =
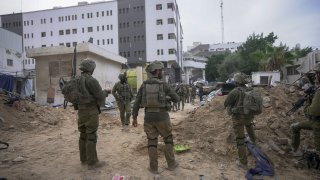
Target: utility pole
[(222, 24)]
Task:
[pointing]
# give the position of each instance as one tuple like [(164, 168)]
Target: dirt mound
[(208, 129)]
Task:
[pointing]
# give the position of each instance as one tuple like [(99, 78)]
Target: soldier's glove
[(134, 122)]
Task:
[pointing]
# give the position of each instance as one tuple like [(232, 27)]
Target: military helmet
[(87, 65), (154, 66), (240, 78), (317, 67), (122, 76)]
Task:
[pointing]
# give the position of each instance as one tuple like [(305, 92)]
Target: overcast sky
[(293, 21)]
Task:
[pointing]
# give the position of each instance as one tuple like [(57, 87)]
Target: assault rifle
[(299, 103)]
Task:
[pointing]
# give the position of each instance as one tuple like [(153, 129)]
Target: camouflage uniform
[(239, 119), (201, 92), (121, 91), (88, 113), (193, 93), (181, 91), (187, 94), (313, 113), (156, 120)]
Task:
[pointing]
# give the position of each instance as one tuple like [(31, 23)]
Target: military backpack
[(251, 103), (71, 90)]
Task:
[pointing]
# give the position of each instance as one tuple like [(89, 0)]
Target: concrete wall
[(10, 40), (256, 77), (106, 73)]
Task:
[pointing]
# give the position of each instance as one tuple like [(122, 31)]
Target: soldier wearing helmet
[(312, 112), (88, 114), (123, 94), (153, 95), (240, 120)]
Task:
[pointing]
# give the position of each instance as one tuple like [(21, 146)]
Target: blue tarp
[(263, 164), (6, 82)]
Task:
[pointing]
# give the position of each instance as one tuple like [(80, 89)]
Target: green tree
[(229, 66), (212, 65)]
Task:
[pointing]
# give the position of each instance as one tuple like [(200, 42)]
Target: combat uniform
[(156, 120), (193, 93), (88, 113), (313, 113), (240, 120), (181, 91), (122, 92)]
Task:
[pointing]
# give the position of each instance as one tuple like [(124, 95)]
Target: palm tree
[(277, 57)]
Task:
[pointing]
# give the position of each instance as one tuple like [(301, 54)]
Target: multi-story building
[(141, 31)]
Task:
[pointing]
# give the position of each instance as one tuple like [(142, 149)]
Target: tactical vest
[(153, 95), (124, 91)]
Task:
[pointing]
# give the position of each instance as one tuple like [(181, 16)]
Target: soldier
[(123, 94), (239, 119), (193, 93), (181, 91), (312, 111), (153, 95), (88, 114), (187, 99), (201, 93)]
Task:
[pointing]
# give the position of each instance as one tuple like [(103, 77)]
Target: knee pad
[(92, 137), (168, 139), (153, 142), (83, 136)]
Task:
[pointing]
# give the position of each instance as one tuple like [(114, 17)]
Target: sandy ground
[(44, 145)]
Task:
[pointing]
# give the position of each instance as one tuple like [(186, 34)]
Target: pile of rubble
[(208, 129), (26, 115)]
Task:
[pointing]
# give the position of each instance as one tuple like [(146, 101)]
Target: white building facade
[(141, 31)]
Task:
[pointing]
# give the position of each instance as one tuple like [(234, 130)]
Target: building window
[(159, 21), (31, 22), (43, 46), (291, 70), (68, 31), (161, 51), (60, 32), (82, 16), (111, 27), (97, 14), (51, 33), (159, 36), (171, 51), (102, 13), (102, 27), (107, 27), (98, 42), (74, 31), (158, 52), (170, 6), (31, 35), (43, 34), (97, 28), (74, 44), (90, 29), (82, 30), (111, 41), (158, 6), (61, 44), (68, 44), (171, 21), (107, 13), (50, 20), (103, 42), (171, 36), (110, 12), (9, 62)]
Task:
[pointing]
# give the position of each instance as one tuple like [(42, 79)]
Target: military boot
[(242, 152), (172, 164), (153, 158)]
